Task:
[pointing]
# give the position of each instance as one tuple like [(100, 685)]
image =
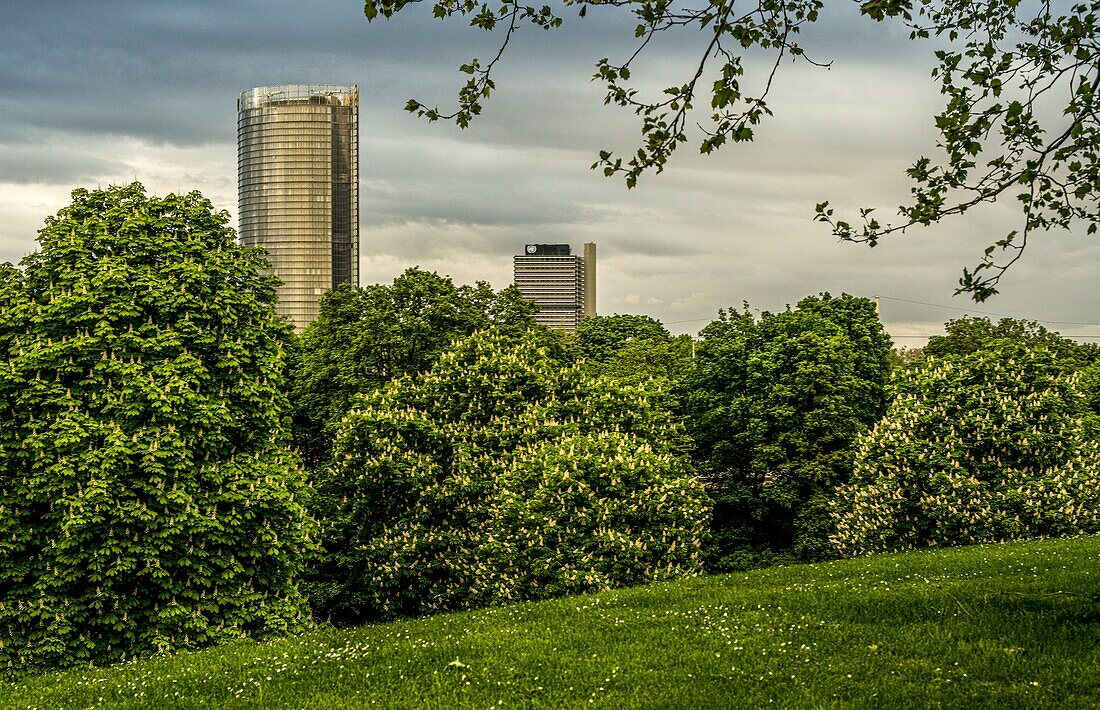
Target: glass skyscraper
[(298, 188)]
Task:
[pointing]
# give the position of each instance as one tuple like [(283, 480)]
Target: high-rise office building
[(562, 285), (589, 279), (298, 188)]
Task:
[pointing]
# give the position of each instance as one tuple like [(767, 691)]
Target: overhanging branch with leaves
[(1021, 83)]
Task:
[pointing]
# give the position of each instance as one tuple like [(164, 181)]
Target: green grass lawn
[(1006, 626)]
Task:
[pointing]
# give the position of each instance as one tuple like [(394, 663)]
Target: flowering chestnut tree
[(995, 445), (365, 337), (501, 475), (148, 501)]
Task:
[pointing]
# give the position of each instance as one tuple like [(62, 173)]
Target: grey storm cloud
[(167, 70), (51, 157)]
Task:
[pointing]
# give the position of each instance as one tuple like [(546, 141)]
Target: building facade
[(562, 284), (298, 188)]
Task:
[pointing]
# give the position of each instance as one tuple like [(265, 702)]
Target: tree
[(987, 446), (600, 337), (634, 349), (148, 501), (365, 337), (500, 475), (774, 406), (1021, 83), (654, 358), (968, 335)]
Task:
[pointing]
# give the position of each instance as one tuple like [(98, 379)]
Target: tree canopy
[(1020, 80), (501, 475), (148, 500), (365, 337), (600, 337), (774, 405), (986, 446), (666, 358), (968, 335)]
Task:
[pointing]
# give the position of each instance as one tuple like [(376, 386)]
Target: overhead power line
[(989, 313), (693, 320), (940, 335)]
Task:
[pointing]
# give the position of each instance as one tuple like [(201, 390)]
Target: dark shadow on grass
[(1060, 607)]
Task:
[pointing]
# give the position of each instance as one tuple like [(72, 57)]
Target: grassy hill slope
[(1016, 625)]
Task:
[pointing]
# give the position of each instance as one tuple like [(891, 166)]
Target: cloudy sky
[(118, 90)]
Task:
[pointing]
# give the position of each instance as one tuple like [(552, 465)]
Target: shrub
[(147, 500), (500, 475), (994, 445)]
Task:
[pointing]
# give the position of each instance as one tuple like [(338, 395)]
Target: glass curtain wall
[(298, 188)]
